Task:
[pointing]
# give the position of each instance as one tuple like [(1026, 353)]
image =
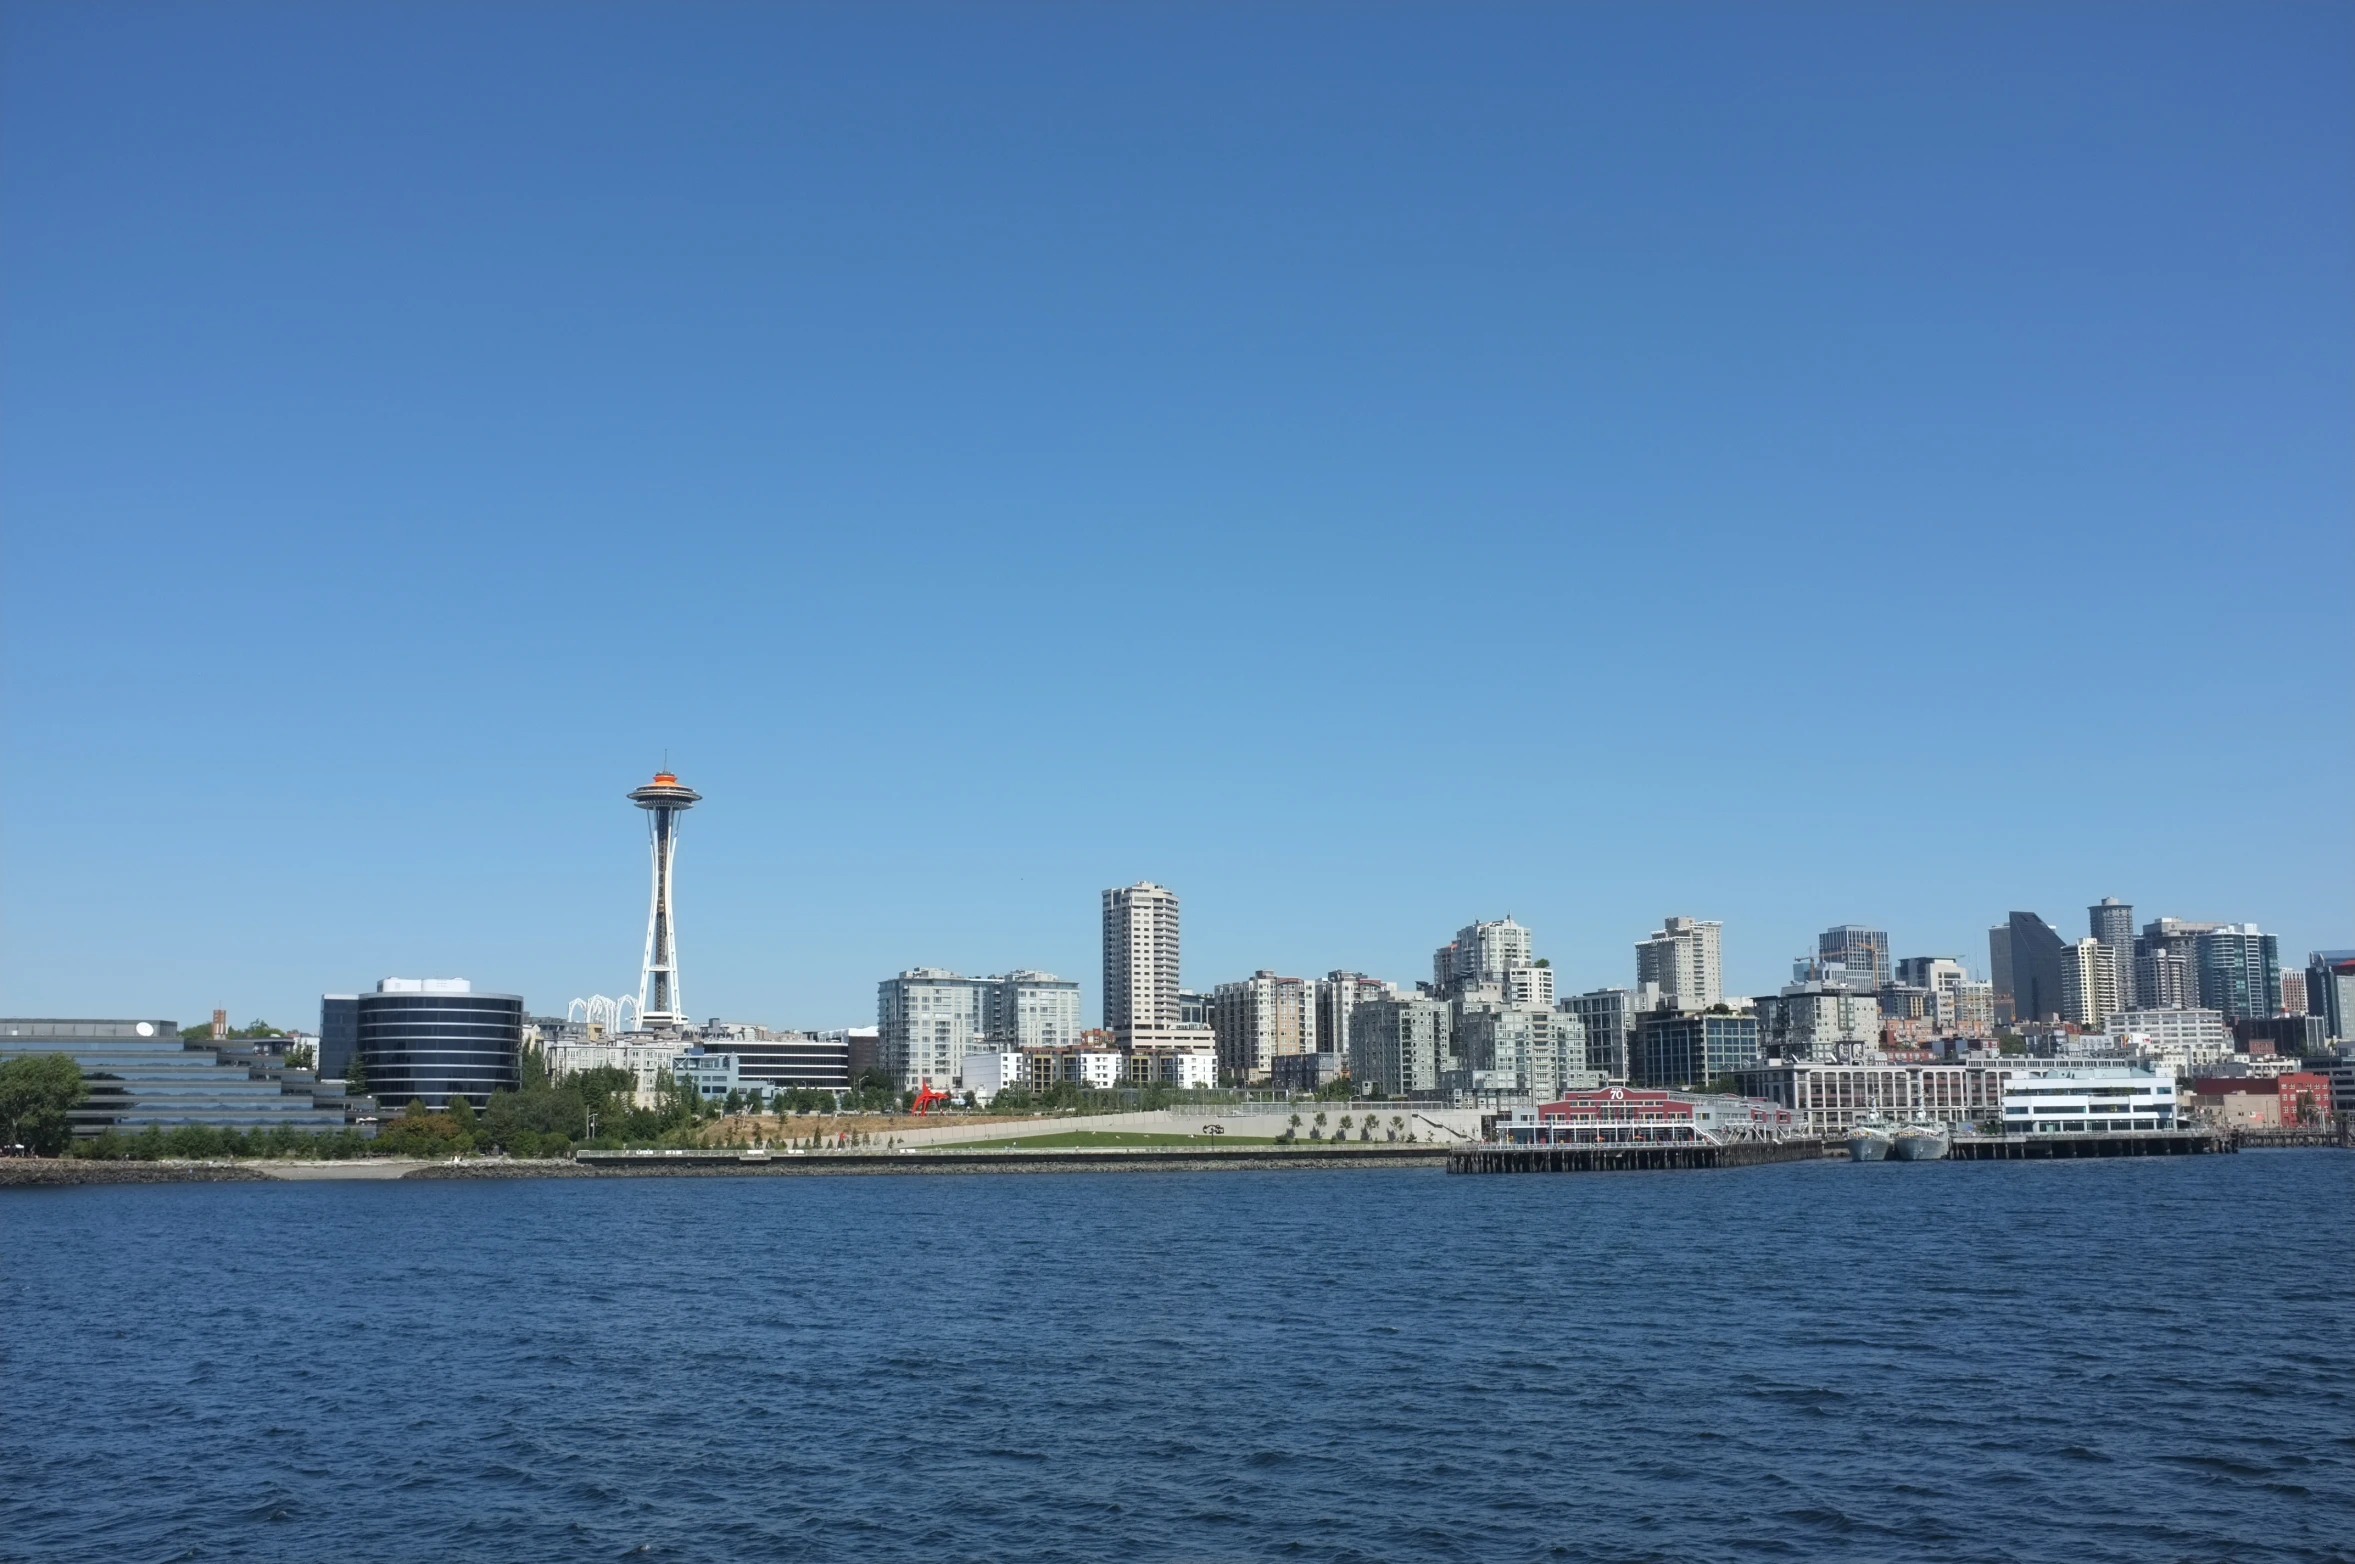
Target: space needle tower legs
[(660, 1007)]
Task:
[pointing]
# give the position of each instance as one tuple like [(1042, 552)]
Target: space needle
[(660, 1007)]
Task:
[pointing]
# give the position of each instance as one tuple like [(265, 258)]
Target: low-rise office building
[(1626, 1115), (2048, 1099), (431, 1039), (1832, 1097), (141, 1073), (1688, 1050)]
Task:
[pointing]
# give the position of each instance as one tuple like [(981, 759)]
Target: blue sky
[(1366, 468)]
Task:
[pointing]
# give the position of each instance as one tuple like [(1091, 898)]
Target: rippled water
[(2116, 1360)]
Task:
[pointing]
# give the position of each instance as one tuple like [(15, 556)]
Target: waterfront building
[(2338, 1069), (777, 1061), (2036, 954), (1623, 1115), (2046, 1099), (1682, 961), (926, 1020), (2089, 984), (339, 1034), (1608, 1017), (1258, 1019), (2330, 992), (140, 1072), (2185, 1041), (1337, 995), (2298, 1099), (2239, 971), (1399, 1046), (1187, 1066), (2112, 922), (1033, 1010), (1833, 1097), (1861, 950), (1685, 1051), (429, 1039), (929, 1018)]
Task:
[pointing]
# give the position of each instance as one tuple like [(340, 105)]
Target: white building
[(1525, 1051), (1339, 994), (649, 1057), (2087, 1098), (992, 1071), (928, 1019), (1681, 961), (1489, 954), (2089, 983), (2186, 1042), (1140, 957), (1258, 1019)]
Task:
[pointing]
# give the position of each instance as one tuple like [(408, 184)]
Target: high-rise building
[(1680, 962), (2239, 972), (1399, 1046), (1338, 994), (432, 1039), (2167, 963), (2112, 922), (1523, 1052), (2293, 992), (2163, 978), (1140, 958), (1608, 1017), (2089, 984), (2330, 991), (661, 1007), (1861, 950), (2036, 950), (928, 1019), (1482, 955), (1999, 973), (1260, 1019)]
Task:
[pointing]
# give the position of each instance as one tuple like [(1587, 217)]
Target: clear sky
[(1365, 467)]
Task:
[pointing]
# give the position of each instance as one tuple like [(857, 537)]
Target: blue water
[(2114, 1360)]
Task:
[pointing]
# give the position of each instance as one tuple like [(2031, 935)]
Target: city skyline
[(935, 439)]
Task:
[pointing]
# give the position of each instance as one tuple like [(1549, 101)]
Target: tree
[(37, 1091), (302, 1056), (355, 1073)]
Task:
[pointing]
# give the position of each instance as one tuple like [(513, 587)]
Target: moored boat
[(1920, 1143), (1868, 1143)]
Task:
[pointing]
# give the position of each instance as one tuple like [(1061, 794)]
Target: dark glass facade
[(1686, 1050), (339, 1033), (433, 1046), (2036, 949), (141, 1073)]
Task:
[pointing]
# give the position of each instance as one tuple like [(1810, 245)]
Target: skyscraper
[(2330, 991), (1999, 972), (1140, 957), (1480, 953), (1261, 1018), (2089, 984), (1338, 996), (2035, 949), (2239, 972), (2112, 922), (1680, 963), (1863, 951)]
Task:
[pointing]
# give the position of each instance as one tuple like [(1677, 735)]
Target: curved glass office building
[(435, 1038)]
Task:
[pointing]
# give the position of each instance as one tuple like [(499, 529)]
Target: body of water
[(2140, 1360)]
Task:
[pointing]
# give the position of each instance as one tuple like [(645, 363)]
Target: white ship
[(1920, 1143), (1869, 1142)]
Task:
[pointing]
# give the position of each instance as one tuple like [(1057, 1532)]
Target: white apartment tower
[(1140, 957), (1680, 963), (2089, 984)]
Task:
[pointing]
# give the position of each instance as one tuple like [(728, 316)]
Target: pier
[(2129, 1143), (1629, 1156)]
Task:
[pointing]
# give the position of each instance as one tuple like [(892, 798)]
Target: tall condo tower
[(659, 1004)]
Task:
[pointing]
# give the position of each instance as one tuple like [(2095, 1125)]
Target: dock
[(2131, 1143), (1630, 1157)]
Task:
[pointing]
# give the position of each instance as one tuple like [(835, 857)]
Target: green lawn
[(1115, 1138)]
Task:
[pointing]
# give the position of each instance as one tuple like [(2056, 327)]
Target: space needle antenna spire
[(660, 1005)]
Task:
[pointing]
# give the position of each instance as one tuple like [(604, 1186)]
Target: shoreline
[(67, 1172)]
